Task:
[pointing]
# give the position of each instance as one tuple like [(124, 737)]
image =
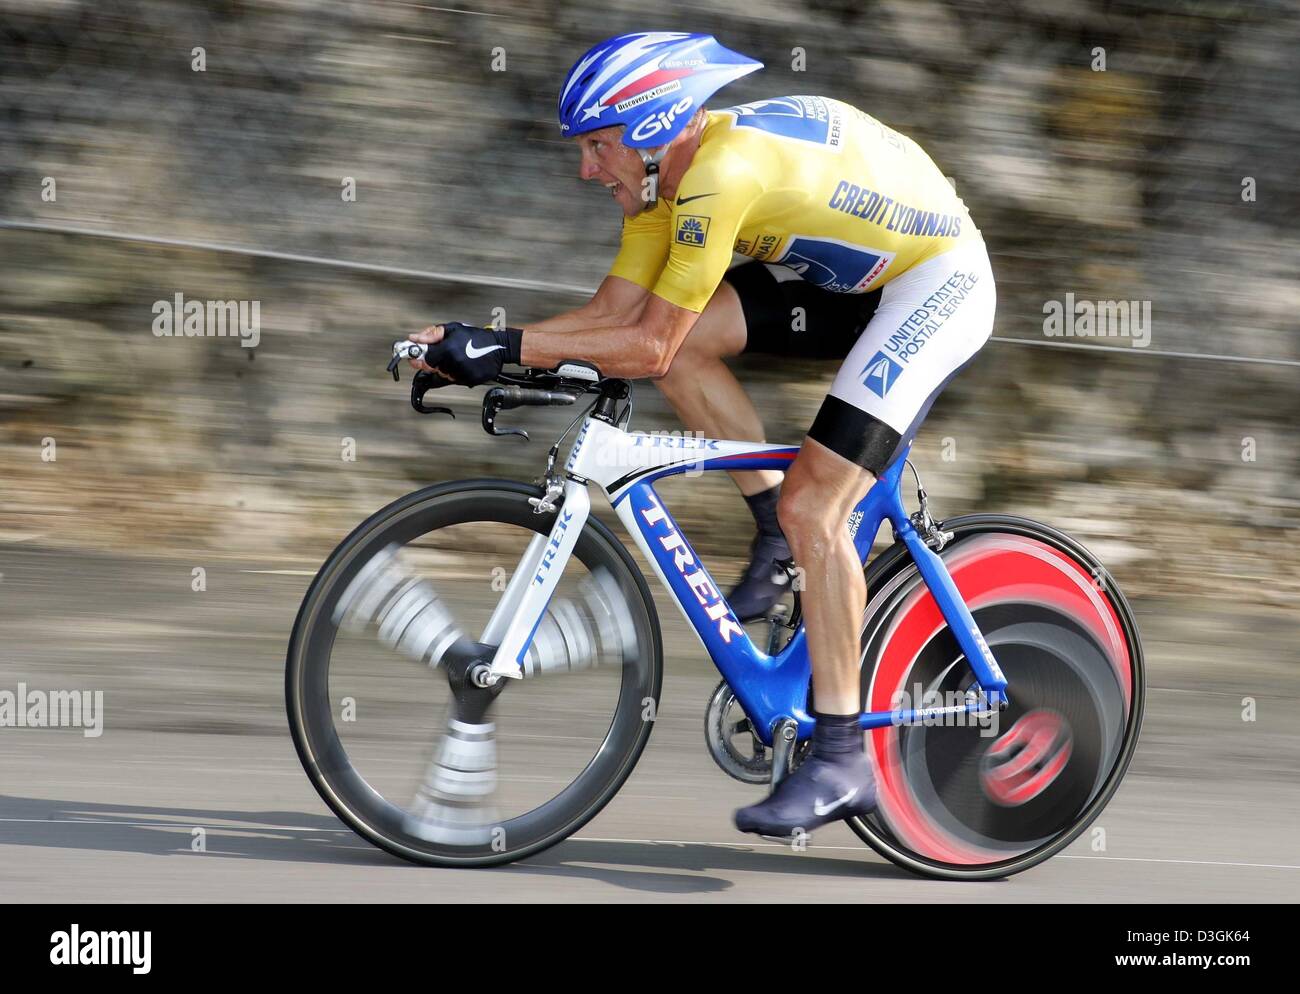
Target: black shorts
[(792, 317), (899, 346)]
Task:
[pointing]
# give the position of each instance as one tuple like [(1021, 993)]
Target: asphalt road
[(194, 737)]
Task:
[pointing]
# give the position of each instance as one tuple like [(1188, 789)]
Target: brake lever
[(424, 380), (405, 350)]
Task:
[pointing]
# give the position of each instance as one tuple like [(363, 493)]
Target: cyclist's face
[(607, 161)]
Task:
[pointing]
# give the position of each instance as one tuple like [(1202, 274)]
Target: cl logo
[(1025, 761)]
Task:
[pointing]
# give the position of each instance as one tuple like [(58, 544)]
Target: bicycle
[(1002, 672)]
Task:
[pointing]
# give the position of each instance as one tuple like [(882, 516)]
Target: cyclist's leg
[(708, 398), (761, 309), (757, 308), (931, 322), (821, 489), (706, 394)]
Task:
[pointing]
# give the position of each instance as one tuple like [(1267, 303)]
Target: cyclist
[(858, 248)]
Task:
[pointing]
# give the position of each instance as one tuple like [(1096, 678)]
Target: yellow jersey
[(806, 182)]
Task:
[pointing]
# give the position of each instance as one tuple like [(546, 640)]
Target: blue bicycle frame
[(771, 688)]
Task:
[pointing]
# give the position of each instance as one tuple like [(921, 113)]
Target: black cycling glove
[(472, 355)]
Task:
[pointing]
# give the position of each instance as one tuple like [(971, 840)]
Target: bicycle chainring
[(732, 743)]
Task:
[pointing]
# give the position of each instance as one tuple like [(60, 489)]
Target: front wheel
[(968, 799), (407, 751)]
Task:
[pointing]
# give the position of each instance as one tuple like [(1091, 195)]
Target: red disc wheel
[(974, 798)]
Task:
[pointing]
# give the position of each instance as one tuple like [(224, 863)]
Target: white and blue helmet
[(652, 82)]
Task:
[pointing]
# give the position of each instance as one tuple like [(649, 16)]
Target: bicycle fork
[(523, 606)]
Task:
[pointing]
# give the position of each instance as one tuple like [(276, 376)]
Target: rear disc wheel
[(980, 799)]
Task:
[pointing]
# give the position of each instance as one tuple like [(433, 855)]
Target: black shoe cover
[(764, 581), (817, 793)]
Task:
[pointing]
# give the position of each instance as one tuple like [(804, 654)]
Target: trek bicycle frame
[(771, 689)]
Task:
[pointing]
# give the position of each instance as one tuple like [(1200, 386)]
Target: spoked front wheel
[(397, 739), (975, 799)]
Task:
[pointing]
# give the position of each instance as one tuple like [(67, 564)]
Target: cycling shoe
[(765, 581), (817, 793)]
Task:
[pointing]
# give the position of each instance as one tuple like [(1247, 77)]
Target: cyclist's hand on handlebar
[(461, 353), (431, 336)]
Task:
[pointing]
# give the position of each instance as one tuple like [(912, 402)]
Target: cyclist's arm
[(643, 247), (681, 250), (633, 349), (617, 301)]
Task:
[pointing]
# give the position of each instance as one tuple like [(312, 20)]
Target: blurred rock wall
[(1167, 176)]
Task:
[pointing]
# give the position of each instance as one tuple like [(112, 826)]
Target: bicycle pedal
[(778, 614), (785, 840)]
